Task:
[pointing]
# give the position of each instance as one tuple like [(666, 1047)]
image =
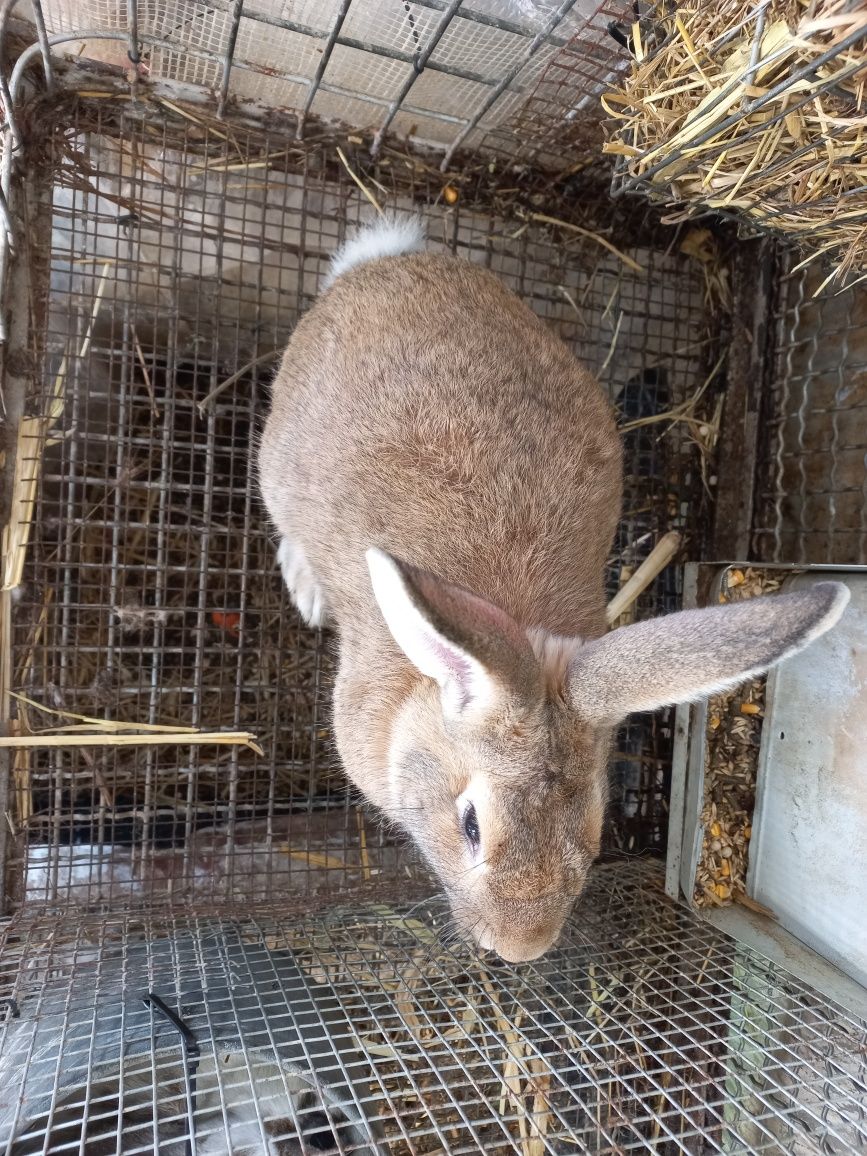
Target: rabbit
[(445, 480)]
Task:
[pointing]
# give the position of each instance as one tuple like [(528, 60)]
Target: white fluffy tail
[(386, 237)]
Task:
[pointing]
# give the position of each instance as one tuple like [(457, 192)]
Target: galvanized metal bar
[(746, 373), (418, 65), (313, 87), (231, 44), (39, 21), (133, 51)]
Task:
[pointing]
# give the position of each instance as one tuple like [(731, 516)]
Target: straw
[(656, 561), (758, 110)]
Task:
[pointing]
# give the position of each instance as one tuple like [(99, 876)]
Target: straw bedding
[(754, 109)]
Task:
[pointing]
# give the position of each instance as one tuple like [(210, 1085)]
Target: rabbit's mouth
[(513, 950), (513, 936)]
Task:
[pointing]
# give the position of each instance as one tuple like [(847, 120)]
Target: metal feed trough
[(207, 945)]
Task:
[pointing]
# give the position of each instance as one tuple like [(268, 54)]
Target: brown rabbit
[(446, 481)]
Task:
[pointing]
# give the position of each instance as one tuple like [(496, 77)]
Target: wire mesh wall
[(812, 493), (646, 1032), (181, 256), (456, 75)]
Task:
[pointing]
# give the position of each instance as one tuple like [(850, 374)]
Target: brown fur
[(422, 409)]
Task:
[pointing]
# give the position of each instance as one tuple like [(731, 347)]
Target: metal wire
[(488, 103), (813, 461), (231, 44), (494, 57), (646, 1031)]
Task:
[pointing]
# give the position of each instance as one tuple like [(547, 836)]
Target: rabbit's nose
[(521, 953), (529, 946)]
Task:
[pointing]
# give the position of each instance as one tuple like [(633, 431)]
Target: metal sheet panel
[(810, 829)]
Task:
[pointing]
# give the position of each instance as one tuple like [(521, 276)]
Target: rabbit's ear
[(475, 651), (686, 656)]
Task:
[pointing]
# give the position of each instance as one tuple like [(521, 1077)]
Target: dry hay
[(755, 109), (731, 762)]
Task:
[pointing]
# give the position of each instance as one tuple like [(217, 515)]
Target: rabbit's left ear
[(476, 652), (686, 656)]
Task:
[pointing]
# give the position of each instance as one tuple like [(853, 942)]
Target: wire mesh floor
[(645, 1031)]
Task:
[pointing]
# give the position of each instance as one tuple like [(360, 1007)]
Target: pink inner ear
[(456, 666), (470, 610)]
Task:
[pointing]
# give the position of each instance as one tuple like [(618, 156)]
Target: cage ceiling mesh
[(514, 77)]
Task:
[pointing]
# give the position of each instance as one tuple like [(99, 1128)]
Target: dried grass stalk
[(758, 109), (111, 738)]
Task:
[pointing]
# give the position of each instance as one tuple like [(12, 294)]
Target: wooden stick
[(655, 562), (360, 183)]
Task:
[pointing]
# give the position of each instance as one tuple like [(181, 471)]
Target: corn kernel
[(750, 708), (715, 830), (450, 195), (735, 578), (748, 831), (723, 891), (725, 869)]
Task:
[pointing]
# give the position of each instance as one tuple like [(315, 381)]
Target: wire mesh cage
[(210, 946), (172, 610)]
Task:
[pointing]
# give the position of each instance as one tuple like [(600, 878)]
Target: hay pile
[(758, 109)]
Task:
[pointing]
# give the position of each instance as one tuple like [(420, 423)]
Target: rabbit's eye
[(471, 827)]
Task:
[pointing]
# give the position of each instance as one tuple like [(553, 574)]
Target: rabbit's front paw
[(302, 584)]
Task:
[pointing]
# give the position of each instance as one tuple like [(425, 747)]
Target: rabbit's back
[(421, 407)]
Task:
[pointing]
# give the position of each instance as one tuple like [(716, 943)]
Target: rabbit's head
[(497, 760)]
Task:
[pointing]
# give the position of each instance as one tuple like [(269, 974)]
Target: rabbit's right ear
[(475, 651), (685, 656)]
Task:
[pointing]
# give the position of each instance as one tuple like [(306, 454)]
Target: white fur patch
[(302, 583), (388, 237), (554, 653)]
